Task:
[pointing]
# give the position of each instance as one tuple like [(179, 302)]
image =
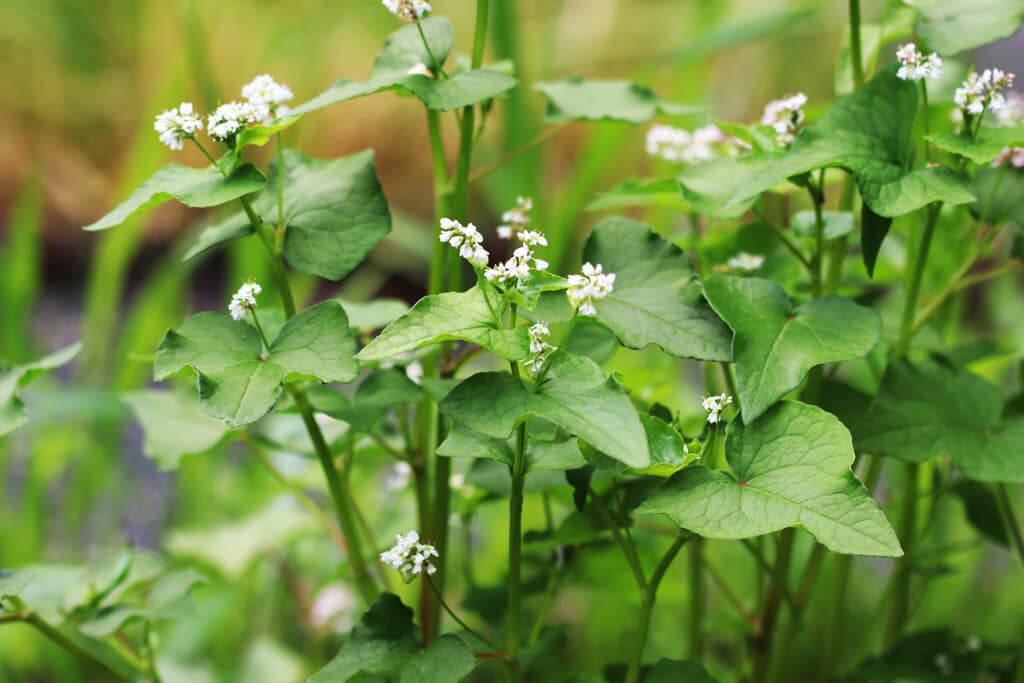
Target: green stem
[(899, 587), (779, 588), (628, 549), (1010, 519), (437, 255), (786, 241), (70, 645), (696, 599), (856, 58), (471, 631), (817, 193), (435, 65), (259, 329), (914, 286), (515, 550), (650, 594), (280, 184)]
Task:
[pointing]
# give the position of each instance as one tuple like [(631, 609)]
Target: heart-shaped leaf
[(952, 26), (575, 99), (775, 344), (173, 426), (793, 468)]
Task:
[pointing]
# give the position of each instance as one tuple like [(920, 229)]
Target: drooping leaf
[(873, 229), (869, 133), (196, 187), (12, 379), (239, 385), (173, 426), (334, 211), (711, 187), (657, 297), (575, 99), (984, 147), (775, 344), (574, 395), (465, 316), (952, 26), (791, 468), (928, 408)]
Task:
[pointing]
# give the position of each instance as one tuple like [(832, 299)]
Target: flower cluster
[(408, 10), (745, 261), (409, 556), (1012, 111), (981, 93), (915, 66), (175, 125), (227, 119), (244, 300), (585, 289), (714, 405), (682, 146), (267, 97), (467, 239), (786, 116), (523, 259), (515, 218), (539, 346)]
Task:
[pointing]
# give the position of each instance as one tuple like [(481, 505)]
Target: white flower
[(786, 116), (410, 557), (539, 346), (397, 477), (681, 146), (585, 289), (408, 10), (915, 66), (745, 261), (1012, 112), (414, 371), (714, 406), (515, 218), (981, 93), (533, 238), (333, 608), (467, 239), (244, 300), (174, 125), (943, 663), (267, 97), (225, 122), (523, 260)]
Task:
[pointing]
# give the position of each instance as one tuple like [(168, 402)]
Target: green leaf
[(668, 450), (335, 213), (999, 191), (173, 426), (952, 26), (982, 510), (873, 229), (542, 455), (259, 135), (657, 297), (451, 316), (640, 192), (711, 187), (12, 583), (669, 671), (869, 133), (575, 99), (928, 408), (196, 187), (984, 147), (12, 379), (913, 659), (386, 644), (791, 468), (459, 90), (236, 383), (574, 395), (836, 223), (372, 400), (776, 344), (168, 599), (404, 49), (373, 315)]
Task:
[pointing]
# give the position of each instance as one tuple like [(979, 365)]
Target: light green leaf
[(711, 186), (836, 223), (644, 192), (868, 133), (451, 316), (575, 99), (574, 395), (984, 147), (928, 408), (12, 379), (775, 343), (173, 426), (791, 468), (372, 400), (459, 90), (239, 385), (657, 297), (668, 450), (373, 315), (12, 582), (542, 455), (952, 26), (196, 187), (168, 599), (404, 49), (261, 134), (1000, 190)]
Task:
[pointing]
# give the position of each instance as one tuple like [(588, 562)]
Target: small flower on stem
[(244, 299), (786, 116), (515, 218), (594, 284), (983, 92), (408, 10), (915, 66), (467, 239), (410, 557), (539, 346), (682, 146), (714, 405), (228, 119), (175, 125), (523, 260), (745, 261), (1012, 112), (267, 97)]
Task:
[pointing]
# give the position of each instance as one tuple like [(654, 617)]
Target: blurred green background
[(82, 82)]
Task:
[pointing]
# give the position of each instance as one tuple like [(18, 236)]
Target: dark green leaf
[(873, 229), (668, 671), (982, 510)]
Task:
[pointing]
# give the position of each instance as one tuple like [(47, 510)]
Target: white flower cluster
[(714, 405), (409, 556), (227, 119), (682, 146), (244, 300), (915, 66), (1012, 112), (408, 10), (267, 97), (174, 125), (594, 284), (786, 116), (467, 239), (539, 346), (745, 261), (515, 218), (981, 93), (523, 259)]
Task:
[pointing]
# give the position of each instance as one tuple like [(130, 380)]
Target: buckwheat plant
[(829, 251)]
